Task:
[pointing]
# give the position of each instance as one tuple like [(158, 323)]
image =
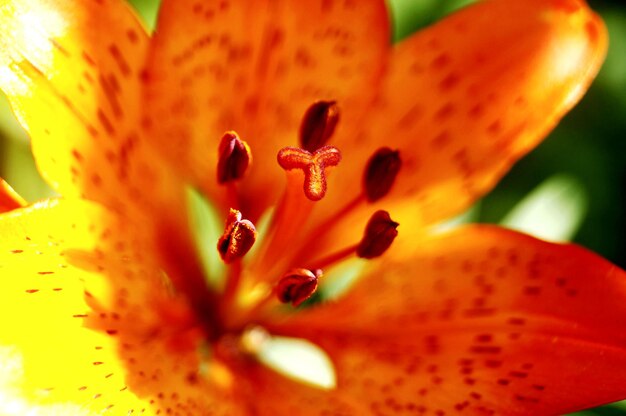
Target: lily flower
[(320, 145)]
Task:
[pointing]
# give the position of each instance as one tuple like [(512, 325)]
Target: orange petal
[(271, 393), (479, 319), (464, 99), (90, 318), (9, 199), (218, 66), (74, 84)]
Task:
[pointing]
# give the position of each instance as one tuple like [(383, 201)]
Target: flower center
[(278, 267)]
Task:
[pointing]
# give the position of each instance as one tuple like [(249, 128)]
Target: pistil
[(313, 165), (295, 206), (378, 179), (285, 226)]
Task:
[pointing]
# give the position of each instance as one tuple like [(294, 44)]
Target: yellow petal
[(72, 73), (479, 319), (45, 297), (255, 68), (90, 318)]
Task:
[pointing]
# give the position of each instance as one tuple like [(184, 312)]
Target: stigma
[(313, 165)]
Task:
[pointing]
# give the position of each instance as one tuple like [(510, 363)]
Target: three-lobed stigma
[(313, 166)]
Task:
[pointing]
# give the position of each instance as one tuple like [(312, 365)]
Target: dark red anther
[(380, 173), (234, 158), (318, 124), (312, 164), (238, 238), (297, 285), (379, 234)]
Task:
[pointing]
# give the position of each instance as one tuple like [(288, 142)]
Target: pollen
[(297, 285), (238, 238), (313, 165)]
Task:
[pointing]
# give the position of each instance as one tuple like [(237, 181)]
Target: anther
[(297, 285), (380, 173), (234, 158), (312, 164), (318, 124), (379, 234), (238, 238)]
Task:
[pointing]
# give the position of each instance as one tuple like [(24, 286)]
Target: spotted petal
[(482, 319), (464, 99), (270, 393), (72, 73), (255, 68), (89, 319)]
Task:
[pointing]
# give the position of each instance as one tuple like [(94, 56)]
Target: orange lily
[(107, 304)]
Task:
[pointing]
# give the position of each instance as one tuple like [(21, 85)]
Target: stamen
[(378, 178), (312, 164), (379, 234), (234, 158), (318, 125), (297, 285), (380, 173), (238, 238), (335, 257)]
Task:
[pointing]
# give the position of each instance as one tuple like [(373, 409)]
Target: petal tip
[(567, 6), (581, 18)]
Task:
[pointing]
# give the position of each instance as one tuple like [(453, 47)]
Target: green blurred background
[(586, 152)]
